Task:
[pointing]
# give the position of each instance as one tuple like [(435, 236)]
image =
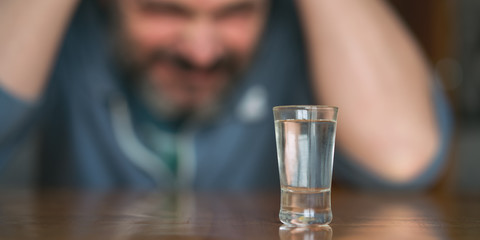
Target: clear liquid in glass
[(305, 156)]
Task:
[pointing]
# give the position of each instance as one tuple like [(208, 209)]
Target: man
[(178, 93)]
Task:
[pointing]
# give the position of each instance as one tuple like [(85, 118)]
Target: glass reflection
[(305, 233)]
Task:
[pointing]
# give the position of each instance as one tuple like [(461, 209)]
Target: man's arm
[(30, 33), (364, 61)]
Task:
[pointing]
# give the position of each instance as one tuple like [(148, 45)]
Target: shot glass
[(305, 137)]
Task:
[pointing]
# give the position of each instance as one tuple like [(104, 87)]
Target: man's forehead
[(204, 5)]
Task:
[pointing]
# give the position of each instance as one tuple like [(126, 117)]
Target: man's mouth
[(201, 75), (223, 64), (190, 75)]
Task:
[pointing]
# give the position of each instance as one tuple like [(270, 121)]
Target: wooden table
[(149, 215)]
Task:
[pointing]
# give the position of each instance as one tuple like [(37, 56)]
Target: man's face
[(190, 50)]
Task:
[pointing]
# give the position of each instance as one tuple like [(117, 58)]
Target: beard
[(156, 91)]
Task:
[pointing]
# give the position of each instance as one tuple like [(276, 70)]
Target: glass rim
[(306, 107)]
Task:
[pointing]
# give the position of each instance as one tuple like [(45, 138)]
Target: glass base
[(308, 217), (305, 206)]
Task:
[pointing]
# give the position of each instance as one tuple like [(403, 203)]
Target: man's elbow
[(406, 164)]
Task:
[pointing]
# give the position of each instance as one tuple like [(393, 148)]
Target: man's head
[(186, 53)]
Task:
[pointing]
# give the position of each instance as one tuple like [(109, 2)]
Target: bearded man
[(177, 94)]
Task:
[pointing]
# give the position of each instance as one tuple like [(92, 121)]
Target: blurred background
[(449, 32)]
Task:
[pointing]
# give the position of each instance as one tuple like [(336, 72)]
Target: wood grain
[(152, 215)]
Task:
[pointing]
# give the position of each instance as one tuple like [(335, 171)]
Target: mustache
[(228, 63)]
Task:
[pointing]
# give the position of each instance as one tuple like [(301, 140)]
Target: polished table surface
[(58, 214)]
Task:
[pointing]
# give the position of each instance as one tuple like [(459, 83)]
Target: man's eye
[(237, 12), (162, 9)]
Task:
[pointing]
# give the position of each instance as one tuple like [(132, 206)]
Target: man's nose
[(200, 44)]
